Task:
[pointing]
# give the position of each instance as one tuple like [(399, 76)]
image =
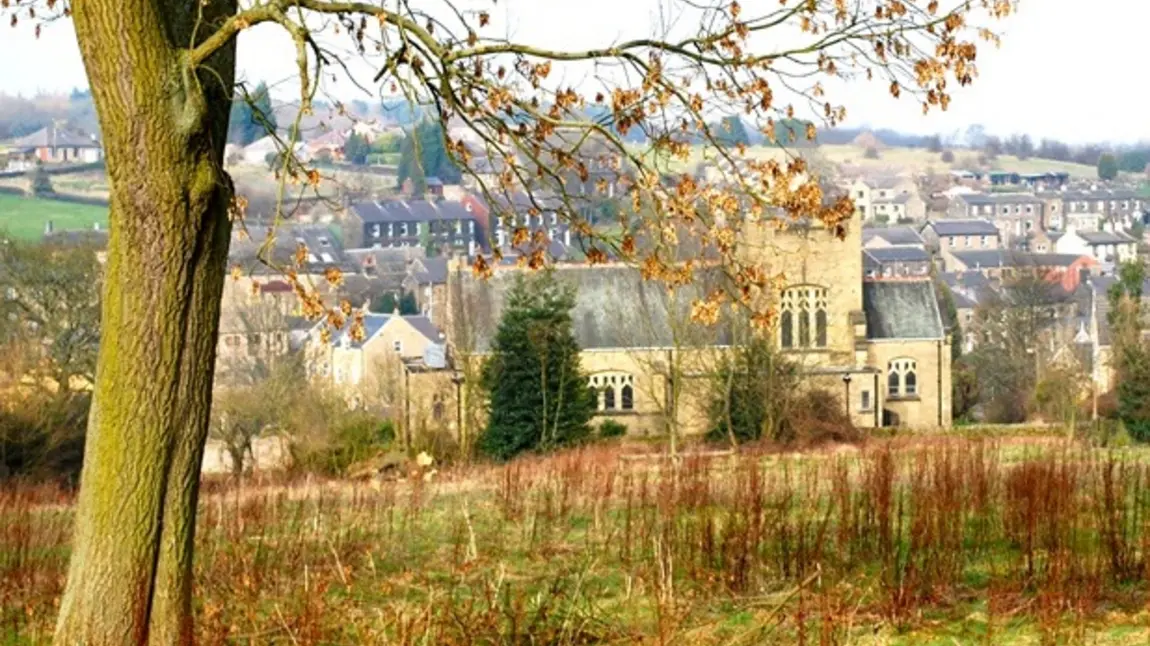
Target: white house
[(886, 196), (1104, 246), (52, 145), (257, 152)]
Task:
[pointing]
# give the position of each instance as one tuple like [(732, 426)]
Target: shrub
[(947, 157), (39, 182), (818, 417), (43, 438), (871, 153), (357, 437), (751, 395), (612, 428)]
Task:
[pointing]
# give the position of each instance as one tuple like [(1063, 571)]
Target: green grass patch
[(24, 218)]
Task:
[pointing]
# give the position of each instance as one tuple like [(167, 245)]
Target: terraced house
[(943, 236), (1092, 210), (443, 225), (1014, 214)]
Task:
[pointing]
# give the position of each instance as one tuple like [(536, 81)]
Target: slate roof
[(324, 249), (1006, 258), (614, 307), (372, 324), (434, 271), (1054, 259), (898, 254), (962, 301), (901, 310), (885, 181), (998, 198), (1104, 237), (1094, 196), (410, 211), (425, 327), (52, 136), (974, 227), (893, 235), (981, 258)]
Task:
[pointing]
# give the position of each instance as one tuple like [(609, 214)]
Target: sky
[(1067, 69)]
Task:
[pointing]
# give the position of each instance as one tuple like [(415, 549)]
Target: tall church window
[(628, 397), (902, 378), (804, 307), (787, 328)]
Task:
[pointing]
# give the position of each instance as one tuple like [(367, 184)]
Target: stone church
[(880, 344)]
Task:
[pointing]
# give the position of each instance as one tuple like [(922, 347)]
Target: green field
[(24, 218)]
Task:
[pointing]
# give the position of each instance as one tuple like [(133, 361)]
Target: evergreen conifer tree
[(539, 395)]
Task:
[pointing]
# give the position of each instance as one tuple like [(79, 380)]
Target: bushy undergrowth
[(589, 546)]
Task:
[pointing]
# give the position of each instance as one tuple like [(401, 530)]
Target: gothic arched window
[(902, 378), (807, 304)]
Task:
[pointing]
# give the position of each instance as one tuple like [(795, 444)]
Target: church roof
[(901, 310), (614, 308)]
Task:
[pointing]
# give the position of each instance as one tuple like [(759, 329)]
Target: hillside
[(896, 160)]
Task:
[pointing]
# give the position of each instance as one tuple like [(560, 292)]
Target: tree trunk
[(164, 130)]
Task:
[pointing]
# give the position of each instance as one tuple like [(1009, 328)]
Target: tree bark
[(164, 127)]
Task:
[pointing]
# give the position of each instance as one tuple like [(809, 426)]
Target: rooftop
[(1105, 237), (599, 319), (411, 211), (893, 235), (898, 254), (974, 227), (323, 248), (901, 310), (998, 198), (54, 137)]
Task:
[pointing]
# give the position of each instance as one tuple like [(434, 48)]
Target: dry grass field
[(904, 541)]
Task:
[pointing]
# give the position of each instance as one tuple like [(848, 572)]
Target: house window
[(982, 241), (398, 346), (375, 230), (864, 403), (807, 304), (902, 378), (628, 397)]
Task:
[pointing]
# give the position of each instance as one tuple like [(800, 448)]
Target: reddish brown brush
[(589, 546)]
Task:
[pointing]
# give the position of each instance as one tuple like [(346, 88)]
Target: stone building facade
[(878, 345)]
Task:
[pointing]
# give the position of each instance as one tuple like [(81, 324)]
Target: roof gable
[(901, 310)]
